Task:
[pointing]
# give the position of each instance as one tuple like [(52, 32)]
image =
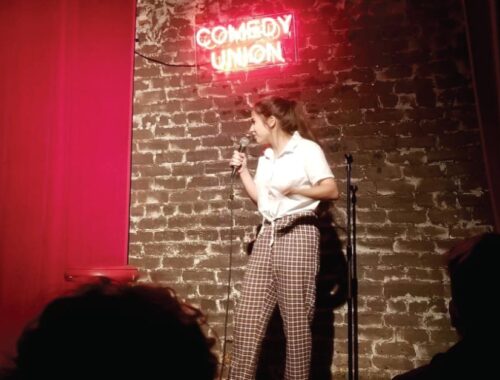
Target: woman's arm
[(239, 159), (324, 190), (249, 184)]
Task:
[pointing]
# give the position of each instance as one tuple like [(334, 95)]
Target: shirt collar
[(289, 147)]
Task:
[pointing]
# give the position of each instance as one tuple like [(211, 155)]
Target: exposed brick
[(412, 335), (182, 93), (184, 144), (407, 216), (197, 105), (171, 106), (191, 248), (395, 202), (184, 196), (374, 333), (394, 187), (436, 321), (178, 119), (198, 276), (425, 273), (413, 246), (218, 141), (211, 290), (398, 71), (447, 216), (384, 115), (341, 118), (177, 262), (392, 363), (209, 235), (395, 349), (142, 158), (165, 82), (148, 223), (182, 221), (202, 155), (150, 97), (185, 169), (402, 289), (378, 216), (135, 249), (167, 276), (147, 72), (202, 131), (150, 170), (194, 118), (143, 262), (169, 235), (156, 249), (156, 196), (142, 134), (449, 335), (197, 182), (423, 307), (170, 132), (171, 183), (382, 80), (185, 208), (437, 184)]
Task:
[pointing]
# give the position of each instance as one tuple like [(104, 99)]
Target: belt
[(308, 217)]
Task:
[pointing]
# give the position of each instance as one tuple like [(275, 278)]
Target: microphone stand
[(352, 279)]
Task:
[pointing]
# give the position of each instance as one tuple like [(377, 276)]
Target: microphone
[(244, 141)]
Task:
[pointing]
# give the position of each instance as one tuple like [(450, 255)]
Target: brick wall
[(387, 81)]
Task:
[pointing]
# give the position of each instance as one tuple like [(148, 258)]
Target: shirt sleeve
[(258, 171), (316, 166)]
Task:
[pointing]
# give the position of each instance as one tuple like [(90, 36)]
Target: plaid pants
[(282, 269)]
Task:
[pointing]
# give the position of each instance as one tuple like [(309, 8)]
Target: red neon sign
[(247, 44)]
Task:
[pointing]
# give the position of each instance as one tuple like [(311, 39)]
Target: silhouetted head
[(473, 266), (115, 331)]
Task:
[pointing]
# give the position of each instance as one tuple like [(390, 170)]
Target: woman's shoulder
[(308, 146)]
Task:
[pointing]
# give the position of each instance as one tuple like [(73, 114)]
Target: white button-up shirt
[(302, 163)]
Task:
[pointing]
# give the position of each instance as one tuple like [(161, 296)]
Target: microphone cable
[(244, 141), (230, 266)]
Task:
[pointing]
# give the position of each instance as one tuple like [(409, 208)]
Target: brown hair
[(289, 113)]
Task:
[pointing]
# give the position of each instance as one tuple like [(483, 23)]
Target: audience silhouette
[(473, 268), (115, 331), (110, 330)]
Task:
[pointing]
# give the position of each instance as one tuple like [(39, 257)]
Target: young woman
[(292, 177)]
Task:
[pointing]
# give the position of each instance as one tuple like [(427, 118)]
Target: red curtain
[(66, 74)]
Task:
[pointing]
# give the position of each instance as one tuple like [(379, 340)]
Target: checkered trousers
[(282, 269)]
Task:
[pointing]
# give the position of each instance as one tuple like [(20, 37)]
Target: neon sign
[(248, 44)]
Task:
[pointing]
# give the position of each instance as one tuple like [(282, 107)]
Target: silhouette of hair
[(116, 330), (289, 113), (473, 266)]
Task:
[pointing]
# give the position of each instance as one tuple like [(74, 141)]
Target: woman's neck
[(279, 139)]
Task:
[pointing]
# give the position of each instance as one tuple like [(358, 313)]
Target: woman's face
[(259, 129)]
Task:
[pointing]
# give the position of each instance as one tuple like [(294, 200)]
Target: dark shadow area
[(473, 269), (331, 290)]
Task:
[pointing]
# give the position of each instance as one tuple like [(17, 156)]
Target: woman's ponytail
[(289, 113)]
